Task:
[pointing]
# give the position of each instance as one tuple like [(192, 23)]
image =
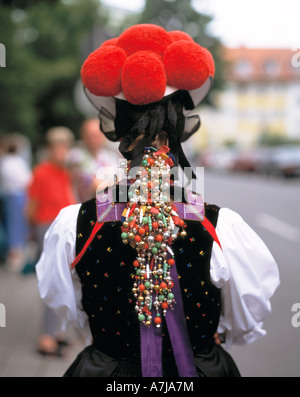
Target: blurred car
[(283, 160), (250, 160), (218, 159)]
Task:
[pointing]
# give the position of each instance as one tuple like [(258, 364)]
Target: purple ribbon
[(151, 351), (107, 211), (151, 340), (179, 334)]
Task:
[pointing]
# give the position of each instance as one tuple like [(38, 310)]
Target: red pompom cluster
[(142, 61)]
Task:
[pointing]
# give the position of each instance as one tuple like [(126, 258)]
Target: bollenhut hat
[(148, 80)]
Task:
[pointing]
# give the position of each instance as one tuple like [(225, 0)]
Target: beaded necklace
[(150, 225)]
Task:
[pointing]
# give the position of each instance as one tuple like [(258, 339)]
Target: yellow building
[(261, 96)]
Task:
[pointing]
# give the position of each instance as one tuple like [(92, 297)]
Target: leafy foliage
[(43, 57)]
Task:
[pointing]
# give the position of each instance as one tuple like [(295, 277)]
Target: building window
[(271, 67), (243, 68)]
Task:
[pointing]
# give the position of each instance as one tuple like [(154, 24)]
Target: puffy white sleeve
[(248, 276), (58, 285)]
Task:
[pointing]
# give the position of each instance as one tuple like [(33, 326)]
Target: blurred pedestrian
[(49, 191), (88, 158), (15, 175)]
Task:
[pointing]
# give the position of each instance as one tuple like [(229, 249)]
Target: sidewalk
[(18, 356)]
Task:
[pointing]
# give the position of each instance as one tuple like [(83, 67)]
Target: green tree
[(44, 44)]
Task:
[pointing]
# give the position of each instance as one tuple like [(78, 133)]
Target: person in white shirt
[(15, 175)]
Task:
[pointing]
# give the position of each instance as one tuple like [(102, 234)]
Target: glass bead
[(147, 284), (141, 317)]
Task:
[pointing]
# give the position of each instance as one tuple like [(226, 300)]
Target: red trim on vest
[(95, 230), (211, 230)]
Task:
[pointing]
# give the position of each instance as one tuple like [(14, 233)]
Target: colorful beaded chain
[(150, 224)]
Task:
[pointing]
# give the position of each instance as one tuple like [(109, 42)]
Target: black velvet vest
[(106, 274)]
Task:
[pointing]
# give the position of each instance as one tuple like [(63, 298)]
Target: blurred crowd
[(32, 193)]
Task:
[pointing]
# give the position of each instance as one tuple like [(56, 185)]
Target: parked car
[(283, 160), (249, 160), (218, 159)]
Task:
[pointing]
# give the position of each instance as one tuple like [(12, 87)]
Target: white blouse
[(244, 269)]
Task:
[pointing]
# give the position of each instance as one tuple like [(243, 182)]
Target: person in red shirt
[(50, 191)]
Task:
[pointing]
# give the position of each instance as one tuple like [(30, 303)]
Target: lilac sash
[(194, 210), (178, 333), (151, 350), (151, 336)]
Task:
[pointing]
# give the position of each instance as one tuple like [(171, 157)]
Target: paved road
[(269, 206), (18, 356)]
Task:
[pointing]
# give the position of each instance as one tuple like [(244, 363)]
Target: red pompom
[(144, 37), (179, 35), (211, 62), (186, 65), (110, 42), (143, 60), (143, 78), (101, 72)]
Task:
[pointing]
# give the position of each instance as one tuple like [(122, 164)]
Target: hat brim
[(106, 107), (109, 103)]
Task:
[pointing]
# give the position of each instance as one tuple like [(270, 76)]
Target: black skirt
[(93, 363)]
